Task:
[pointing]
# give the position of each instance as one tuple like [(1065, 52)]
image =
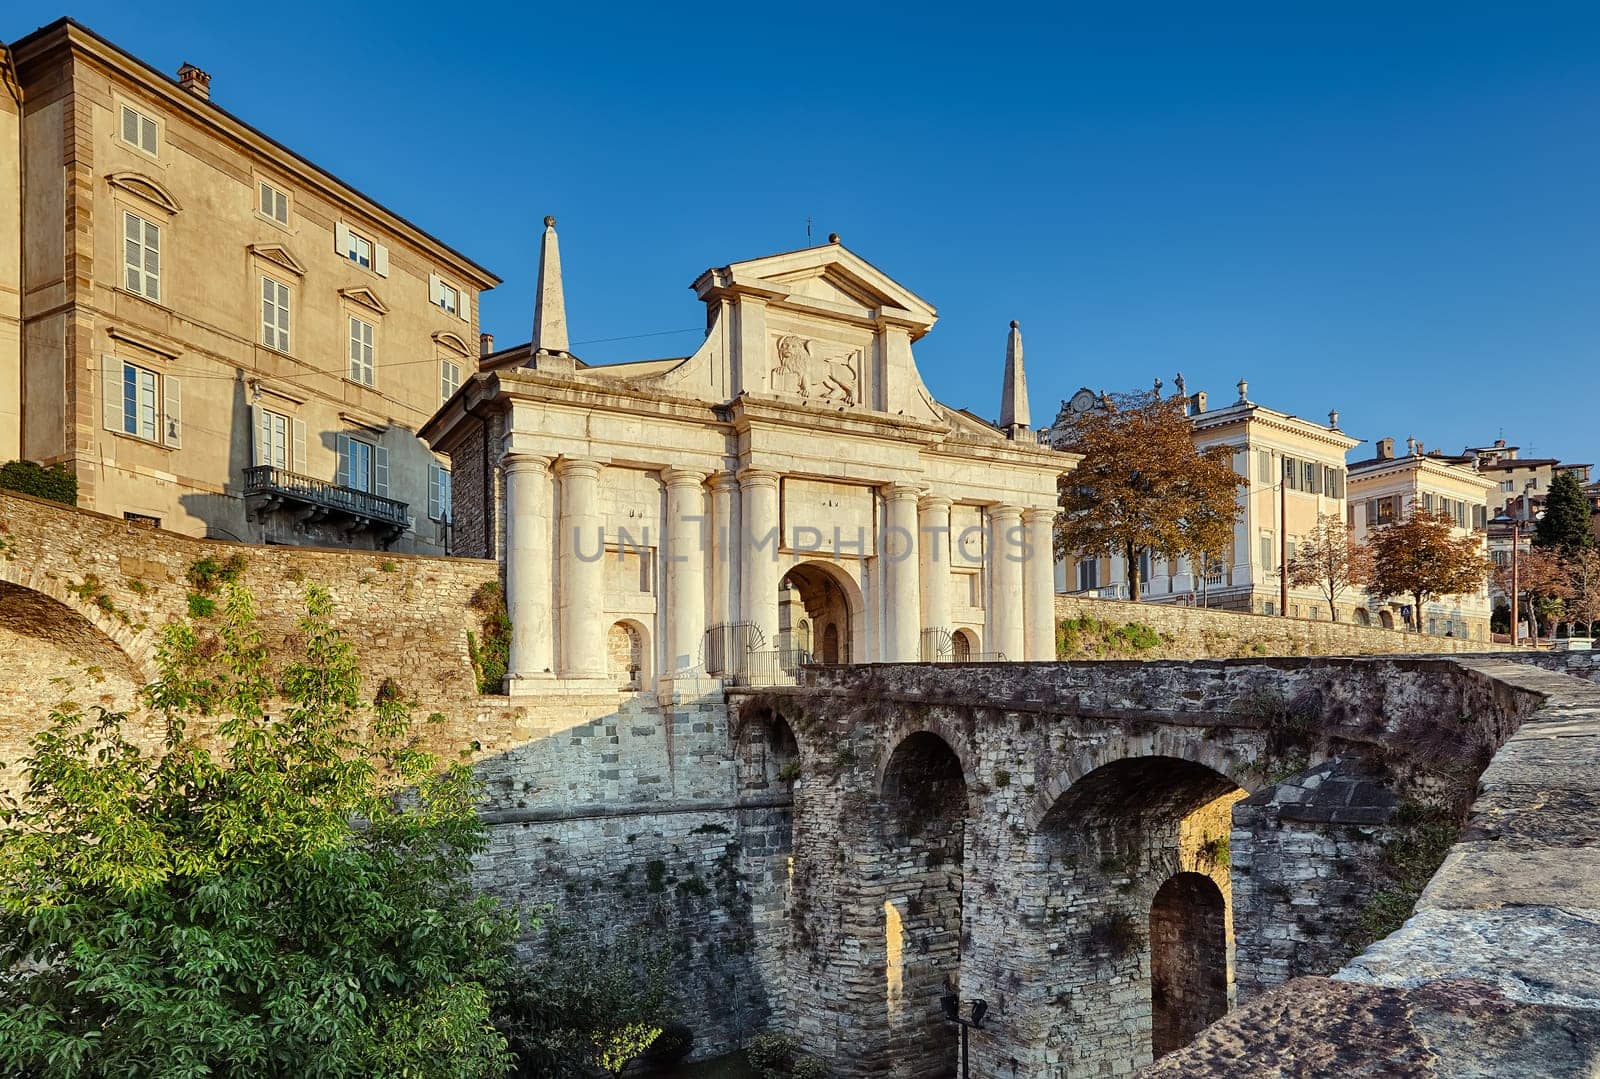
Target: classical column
[(583, 583), (724, 550), (1005, 582), (933, 549), (1039, 585), (758, 553), (686, 535), (528, 558), (898, 554)]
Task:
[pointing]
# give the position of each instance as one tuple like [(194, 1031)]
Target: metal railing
[(727, 643), (777, 667), (291, 486)]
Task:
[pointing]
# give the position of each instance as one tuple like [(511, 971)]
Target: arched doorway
[(963, 646), (816, 613), (626, 656), (1363, 617), (1386, 619), (925, 800), (1188, 960)]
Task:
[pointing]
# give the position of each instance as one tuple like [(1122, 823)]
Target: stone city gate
[(1109, 854)]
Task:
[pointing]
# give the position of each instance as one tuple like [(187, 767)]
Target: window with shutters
[(273, 204), (1308, 476), (141, 256), (139, 401), (358, 249), (272, 444), (1264, 466), (138, 130), (1266, 544), (142, 403), (1291, 473), (355, 463), (1088, 574), (449, 379), (361, 353), (274, 314), (439, 492), (449, 298)]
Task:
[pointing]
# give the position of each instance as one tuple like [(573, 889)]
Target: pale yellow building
[(1295, 472), (216, 335), (1386, 489)]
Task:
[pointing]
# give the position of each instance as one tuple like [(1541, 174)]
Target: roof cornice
[(84, 42)]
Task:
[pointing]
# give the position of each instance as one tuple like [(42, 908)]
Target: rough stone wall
[(1199, 633)]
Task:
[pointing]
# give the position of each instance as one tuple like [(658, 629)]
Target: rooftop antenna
[(808, 231)]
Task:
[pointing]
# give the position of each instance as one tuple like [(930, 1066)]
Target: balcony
[(314, 501)]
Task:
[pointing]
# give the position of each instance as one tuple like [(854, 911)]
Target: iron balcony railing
[(778, 667), (289, 486)]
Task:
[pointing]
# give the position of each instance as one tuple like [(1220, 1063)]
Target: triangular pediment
[(366, 298), (145, 188), (829, 274), (447, 340), (278, 255)]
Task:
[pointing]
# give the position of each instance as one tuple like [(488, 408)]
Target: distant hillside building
[(1386, 488), (213, 333), (1270, 449)]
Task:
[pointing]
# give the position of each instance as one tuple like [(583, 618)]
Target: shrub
[(491, 652), (266, 906), (56, 483), (206, 575)]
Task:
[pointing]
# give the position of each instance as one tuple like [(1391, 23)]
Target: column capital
[(758, 477), (1010, 512), (673, 476), (895, 492), (934, 502), (579, 466), (1036, 514), (723, 481), (524, 462)]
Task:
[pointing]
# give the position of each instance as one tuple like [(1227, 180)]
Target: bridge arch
[(1227, 759), (43, 607)]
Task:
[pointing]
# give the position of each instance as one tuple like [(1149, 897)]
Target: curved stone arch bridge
[(1110, 854)]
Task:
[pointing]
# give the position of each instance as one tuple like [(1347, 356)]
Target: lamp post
[(1503, 519), (952, 1013)]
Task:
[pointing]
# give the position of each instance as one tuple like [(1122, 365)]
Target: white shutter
[(435, 289), (341, 239), (380, 260), (298, 463), (261, 440), (446, 505), (342, 476), (434, 500), (466, 306), (111, 390), (380, 471), (172, 411)]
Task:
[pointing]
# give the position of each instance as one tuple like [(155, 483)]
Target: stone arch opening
[(963, 646), (1108, 845), (768, 756), (627, 654), (818, 609), (52, 653), (1386, 619), (924, 796), (1188, 960), (1363, 617)]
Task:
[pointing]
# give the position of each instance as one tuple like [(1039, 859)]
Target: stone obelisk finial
[(1014, 395), (550, 347)]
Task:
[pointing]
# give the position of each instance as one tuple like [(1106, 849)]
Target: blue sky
[(1389, 209)]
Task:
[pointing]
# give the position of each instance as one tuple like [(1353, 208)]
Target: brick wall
[(1198, 633)]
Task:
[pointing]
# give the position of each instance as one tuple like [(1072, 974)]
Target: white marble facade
[(791, 487)]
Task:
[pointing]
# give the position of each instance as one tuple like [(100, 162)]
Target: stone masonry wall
[(1199, 633)]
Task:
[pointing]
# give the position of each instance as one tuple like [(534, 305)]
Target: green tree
[(1566, 524), (295, 904), (1143, 486), (57, 483)]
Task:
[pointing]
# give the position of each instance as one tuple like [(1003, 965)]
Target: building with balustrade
[(791, 491)]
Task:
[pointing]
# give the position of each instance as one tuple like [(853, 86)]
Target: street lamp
[(952, 1013), (1504, 519)]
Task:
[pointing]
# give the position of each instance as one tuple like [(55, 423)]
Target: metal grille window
[(361, 366), (274, 314), (141, 256)]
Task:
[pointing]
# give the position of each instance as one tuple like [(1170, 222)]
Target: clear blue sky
[(1385, 208)]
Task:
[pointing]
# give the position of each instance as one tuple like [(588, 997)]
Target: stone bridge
[(1109, 854)]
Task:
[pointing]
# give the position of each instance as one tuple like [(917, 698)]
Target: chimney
[(1199, 400), (195, 81), (1385, 449), (485, 344)]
